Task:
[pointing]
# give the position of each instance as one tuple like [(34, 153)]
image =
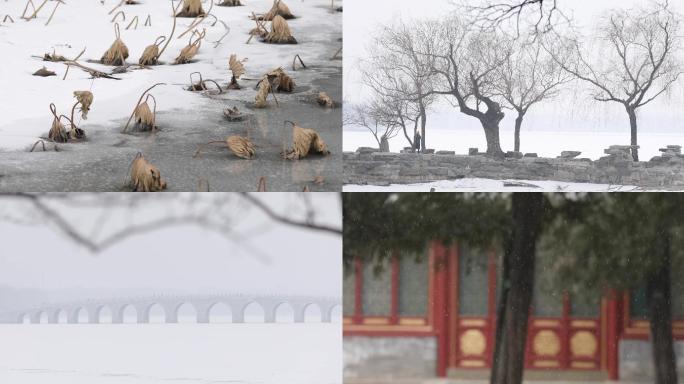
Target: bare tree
[(527, 77), (634, 61), (378, 118), (401, 73), (97, 221), (468, 60), (539, 16)]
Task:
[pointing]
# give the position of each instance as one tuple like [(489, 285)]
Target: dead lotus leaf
[(306, 141), (280, 32), (144, 117), (230, 3), (149, 56), (117, 52), (280, 80), (145, 177), (191, 8), (44, 72), (262, 94), (85, 99), (324, 100), (241, 146), (57, 132), (279, 8)]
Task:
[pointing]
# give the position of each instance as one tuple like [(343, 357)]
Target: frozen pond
[(308, 353)]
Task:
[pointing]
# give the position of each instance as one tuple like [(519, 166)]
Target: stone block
[(531, 154), (429, 151), (570, 154), (446, 152), (473, 152), (514, 155), (365, 150)]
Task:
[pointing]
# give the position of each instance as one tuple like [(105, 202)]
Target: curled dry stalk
[(227, 28), (36, 143), (294, 61), (148, 21), (138, 103), (261, 187), (135, 19), (260, 29), (190, 50), (123, 15), (197, 20), (173, 29), (53, 13), (240, 146), (35, 10), (4, 20), (200, 85)]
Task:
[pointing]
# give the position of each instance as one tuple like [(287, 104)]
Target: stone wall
[(636, 363), (389, 357), (367, 166)]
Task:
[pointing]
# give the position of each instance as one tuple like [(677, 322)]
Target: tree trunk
[(491, 129), (527, 213), (633, 132), (384, 144), (498, 355), (518, 124), (660, 314), (423, 121)]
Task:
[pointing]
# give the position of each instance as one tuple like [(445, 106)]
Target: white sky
[(184, 259), (568, 113)]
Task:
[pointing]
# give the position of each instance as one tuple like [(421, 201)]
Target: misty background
[(573, 110), (241, 250)]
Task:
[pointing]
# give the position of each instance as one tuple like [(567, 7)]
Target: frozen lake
[(309, 353)]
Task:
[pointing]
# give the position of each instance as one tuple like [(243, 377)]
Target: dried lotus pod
[(117, 52), (145, 177), (306, 141)]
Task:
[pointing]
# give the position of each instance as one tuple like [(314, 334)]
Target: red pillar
[(613, 335), (358, 288), (441, 306)]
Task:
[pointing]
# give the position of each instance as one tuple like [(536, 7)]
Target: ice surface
[(171, 353)]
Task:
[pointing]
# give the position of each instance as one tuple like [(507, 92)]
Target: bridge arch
[(335, 313), (103, 315), (284, 313), (313, 313), (127, 314), (80, 315), (61, 316), (219, 312), (155, 313), (186, 312), (254, 312)]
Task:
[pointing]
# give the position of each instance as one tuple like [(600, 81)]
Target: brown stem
[(197, 20), (35, 13), (36, 143), (23, 14), (294, 62), (52, 14), (173, 29), (131, 23), (138, 103), (117, 14), (204, 145)]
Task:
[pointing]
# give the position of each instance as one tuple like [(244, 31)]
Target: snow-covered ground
[(76, 25), (171, 353), (487, 185), (545, 143)]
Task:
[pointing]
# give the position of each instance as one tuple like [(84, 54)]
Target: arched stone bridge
[(72, 312)]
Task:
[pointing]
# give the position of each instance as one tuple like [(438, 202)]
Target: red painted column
[(491, 306), (394, 306), (440, 306), (358, 289), (612, 337), (565, 332)]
